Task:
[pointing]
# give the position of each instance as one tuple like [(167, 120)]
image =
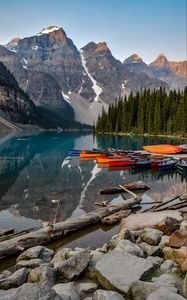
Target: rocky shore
[(146, 260)]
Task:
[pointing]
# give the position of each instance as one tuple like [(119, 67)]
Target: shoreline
[(142, 134)]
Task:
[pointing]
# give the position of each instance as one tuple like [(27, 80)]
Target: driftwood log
[(132, 186), (58, 230)]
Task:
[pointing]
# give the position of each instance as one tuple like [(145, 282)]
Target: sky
[(145, 27)]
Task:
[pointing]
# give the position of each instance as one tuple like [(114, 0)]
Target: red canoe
[(121, 162)]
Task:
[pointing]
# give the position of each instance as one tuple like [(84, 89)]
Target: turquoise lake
[(36, 173)]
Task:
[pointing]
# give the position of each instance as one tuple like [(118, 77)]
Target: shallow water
[(36, 173)]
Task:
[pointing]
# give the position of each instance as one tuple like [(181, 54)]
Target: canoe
[(144, 163), (119, 168), (137, 185), (163, 149), (182, 165), (106, 159), (122, 162), (168, 164), (91, 155)]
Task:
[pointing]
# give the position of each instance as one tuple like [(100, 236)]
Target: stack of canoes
[(128, 159)]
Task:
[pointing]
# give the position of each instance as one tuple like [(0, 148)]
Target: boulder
[(39, 252), (178, 255), (164, 241), (107, 295), (66, 291), (184, 286), (43, 275), (118, 270), (183, 225), (16, 279), (148, 219), (5, 274), (29, 291), (164, 294), (85, 288), (166, 281), (75, 265), (60, 257), (129, 247), (142, 289), (32, 263), (151, 236), (183, 197), (128, 235), (168, 225), (89, 272), (169, 266), (178, 239), (150, 250)]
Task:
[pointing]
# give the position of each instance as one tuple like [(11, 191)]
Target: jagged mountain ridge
[(171, 72), (85, 80)]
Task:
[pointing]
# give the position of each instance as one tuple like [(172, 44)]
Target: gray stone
[(43, 275), (89, 272), (184, 286), (32, 263), (37, 252), (164, 294), (86, 287), (107, 295), (16, 279), (142, 289), (149, 250), (164, 242), (5, 274), (166, 281), (29, 291), (75, 265), (66, 291), (169, 266), (118, 270), (151, 236), (129, 247), (127, 235), (60, 257), (183, 225), (156, 260)]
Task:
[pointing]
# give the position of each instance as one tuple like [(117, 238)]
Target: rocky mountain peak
[(102, 46), (14, 41), (160, 61), (49, 29), (134, 58)]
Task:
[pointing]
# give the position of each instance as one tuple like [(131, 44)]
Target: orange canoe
[(162, 149), (91, 155)]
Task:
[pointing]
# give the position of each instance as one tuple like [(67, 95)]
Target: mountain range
[(74, 84)]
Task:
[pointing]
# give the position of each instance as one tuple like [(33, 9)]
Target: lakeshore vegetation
[(149, 112)]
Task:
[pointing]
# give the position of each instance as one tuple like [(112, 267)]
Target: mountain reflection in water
[(36, 174)]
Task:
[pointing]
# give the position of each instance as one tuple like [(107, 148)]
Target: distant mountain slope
[(173, 73)]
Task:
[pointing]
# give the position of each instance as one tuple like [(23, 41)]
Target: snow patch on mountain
[(66, 97), (48, 30), (97, 89)]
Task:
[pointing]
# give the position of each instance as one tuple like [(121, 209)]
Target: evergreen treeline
[(153, 112)]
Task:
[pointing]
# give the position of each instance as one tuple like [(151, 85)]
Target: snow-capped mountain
[(54, 73)]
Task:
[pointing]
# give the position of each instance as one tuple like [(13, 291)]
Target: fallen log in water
[(58, 230), (137, 185)]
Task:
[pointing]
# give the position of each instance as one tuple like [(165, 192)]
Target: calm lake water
[(36, 173)]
